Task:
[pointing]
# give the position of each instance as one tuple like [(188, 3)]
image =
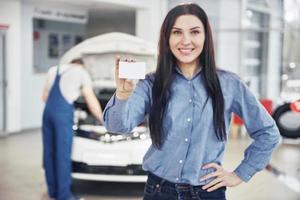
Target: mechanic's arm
[(92, 102), (46, 90), (260, 127), (45, 93)]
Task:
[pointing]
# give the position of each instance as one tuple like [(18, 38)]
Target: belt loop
[(192, 191), (159, 184), (162, 181)]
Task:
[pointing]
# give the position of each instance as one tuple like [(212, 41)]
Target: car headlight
[(99, 133)]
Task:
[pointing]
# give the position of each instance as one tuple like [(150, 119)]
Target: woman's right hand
[(125, 87)]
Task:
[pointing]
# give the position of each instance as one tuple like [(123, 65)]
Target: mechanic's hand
[(100, 121), (125, 87), (222, 177)]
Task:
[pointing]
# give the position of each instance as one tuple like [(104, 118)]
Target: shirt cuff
[(114, 101), (245, 171), (117, 105)]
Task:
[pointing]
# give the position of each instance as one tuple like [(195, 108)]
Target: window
[(255, 50), (51, 39)]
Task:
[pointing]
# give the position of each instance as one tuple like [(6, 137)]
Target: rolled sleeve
[(112, 115), (122, 116), (245, 171)]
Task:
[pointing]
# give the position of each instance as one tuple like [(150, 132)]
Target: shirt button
[(188, 119), (186, 139), (180, 161)]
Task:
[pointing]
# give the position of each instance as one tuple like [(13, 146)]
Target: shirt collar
[(177, 69)]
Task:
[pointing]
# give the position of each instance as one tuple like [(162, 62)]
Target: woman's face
[(187, 40)]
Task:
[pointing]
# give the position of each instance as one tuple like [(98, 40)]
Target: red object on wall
[(295, 106), (4, 26), (267, 103), (36, 35)]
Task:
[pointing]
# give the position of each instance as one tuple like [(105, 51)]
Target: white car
[(97, 154), (103, 156)]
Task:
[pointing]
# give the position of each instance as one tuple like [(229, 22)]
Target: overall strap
[(57, 71), (57, 76)]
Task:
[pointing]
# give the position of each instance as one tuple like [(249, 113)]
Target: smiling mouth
[(185, 51)]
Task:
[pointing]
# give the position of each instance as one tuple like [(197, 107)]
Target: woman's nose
[(186, 38)]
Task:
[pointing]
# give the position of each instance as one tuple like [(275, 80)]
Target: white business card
[(132, 70)]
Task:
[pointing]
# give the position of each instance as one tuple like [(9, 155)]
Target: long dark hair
[(164, 75)]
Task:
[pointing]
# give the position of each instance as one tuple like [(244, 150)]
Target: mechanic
[(64, 84)]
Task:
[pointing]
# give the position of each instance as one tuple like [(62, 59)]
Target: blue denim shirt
[(191, 141)]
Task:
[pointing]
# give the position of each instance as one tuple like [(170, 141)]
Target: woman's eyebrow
[(196, 27)]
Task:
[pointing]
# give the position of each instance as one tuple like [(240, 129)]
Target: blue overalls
[(57, 143)]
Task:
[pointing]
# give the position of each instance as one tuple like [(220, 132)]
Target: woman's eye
[(176, 32), (195, 32)]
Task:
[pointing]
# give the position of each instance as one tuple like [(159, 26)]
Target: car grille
[(108, 170)]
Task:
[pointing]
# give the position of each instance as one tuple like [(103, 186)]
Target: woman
[(190, 103)]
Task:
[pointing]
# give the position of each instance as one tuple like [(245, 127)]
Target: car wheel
[(287, 121)]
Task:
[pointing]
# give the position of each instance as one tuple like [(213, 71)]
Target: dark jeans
[(157, 188)]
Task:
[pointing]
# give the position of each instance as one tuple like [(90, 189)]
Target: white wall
[(148, 21), (32, 83), (121, 23), (10, 13), (274, 53), (229, 36), (25, 104)]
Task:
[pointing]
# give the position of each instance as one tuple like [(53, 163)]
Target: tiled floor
[(21, 177)]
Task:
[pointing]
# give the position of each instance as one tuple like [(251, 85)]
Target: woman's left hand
[(222, 177)]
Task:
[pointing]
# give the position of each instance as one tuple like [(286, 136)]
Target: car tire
[(285, 132)]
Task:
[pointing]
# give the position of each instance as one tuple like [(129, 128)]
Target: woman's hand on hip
[(222, 178), (125, 87)]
